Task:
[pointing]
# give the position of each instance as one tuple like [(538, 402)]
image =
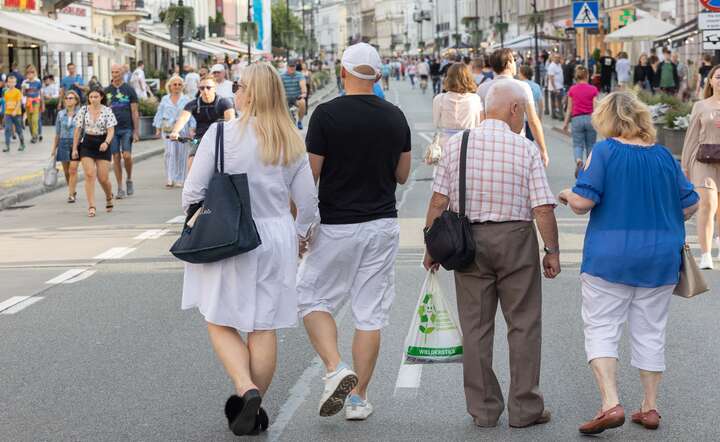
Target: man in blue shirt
[(71, 82), (123, 101), (295, 89)]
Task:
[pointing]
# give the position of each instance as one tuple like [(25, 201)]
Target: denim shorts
[(122, 141)]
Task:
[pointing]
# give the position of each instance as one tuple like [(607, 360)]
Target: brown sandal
[(91, 212)]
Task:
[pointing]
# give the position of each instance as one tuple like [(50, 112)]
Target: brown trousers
[(506, 269)]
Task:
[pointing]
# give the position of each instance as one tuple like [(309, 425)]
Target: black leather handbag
[(222, 225), (449, 239)]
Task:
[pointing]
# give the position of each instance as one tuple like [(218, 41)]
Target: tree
[(282, 35)]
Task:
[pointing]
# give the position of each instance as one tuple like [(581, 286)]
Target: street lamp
[(181, 35)]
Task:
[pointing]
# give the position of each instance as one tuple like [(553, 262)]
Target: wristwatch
[(551, 251)]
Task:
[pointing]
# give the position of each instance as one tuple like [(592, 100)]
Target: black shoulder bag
[(449, 240), (222, 225)]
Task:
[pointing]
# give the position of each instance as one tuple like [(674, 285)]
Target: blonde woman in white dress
[(254, 292)]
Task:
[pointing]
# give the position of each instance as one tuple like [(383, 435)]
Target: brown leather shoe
[(543, 419), (649, 419), (604, 420)]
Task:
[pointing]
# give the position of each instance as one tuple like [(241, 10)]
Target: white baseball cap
[(361, 54), (217, 68)]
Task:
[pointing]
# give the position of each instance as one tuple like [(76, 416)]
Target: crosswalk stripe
[(70, 274), (12, 301), (152, 234), (115, 253), (22, 305)]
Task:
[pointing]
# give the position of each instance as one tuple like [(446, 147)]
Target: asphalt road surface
[(94, 346)]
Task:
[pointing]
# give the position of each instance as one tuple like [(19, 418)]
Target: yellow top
[(13, 102)]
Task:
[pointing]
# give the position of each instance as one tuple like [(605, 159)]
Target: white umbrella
[(641, 30)]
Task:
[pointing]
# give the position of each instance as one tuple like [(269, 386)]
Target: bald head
[(506, 101)]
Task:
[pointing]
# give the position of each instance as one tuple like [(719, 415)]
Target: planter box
[(147, 131), (673, 140), (659, 129)]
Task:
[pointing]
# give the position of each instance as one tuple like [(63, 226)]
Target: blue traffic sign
[(585, 14)]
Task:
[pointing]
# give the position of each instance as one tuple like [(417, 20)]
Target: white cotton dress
[(255, 290)]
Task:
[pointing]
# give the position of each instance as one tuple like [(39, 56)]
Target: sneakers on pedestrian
[(7, 148), (299, 125), (120, 195), (338, 386), (130, 187), (706, 262), (21, 148), (357, 409)]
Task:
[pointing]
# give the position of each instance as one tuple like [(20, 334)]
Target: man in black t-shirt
[(607, 70), (359, 148), (206, 109), (123, 101), (436, 76)]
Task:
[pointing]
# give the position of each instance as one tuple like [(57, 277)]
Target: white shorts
[(351, 260), (606, 307)]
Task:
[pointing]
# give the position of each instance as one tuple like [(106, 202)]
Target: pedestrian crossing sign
[(585, 14)]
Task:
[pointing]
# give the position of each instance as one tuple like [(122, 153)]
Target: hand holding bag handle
[(449, 240)]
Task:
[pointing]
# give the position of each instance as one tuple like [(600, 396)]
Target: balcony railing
[(128, 5)]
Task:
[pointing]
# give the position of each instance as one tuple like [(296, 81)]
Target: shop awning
[(678, 35), (202, 48), (645, 29), (43, 30), (156, 41), (523, 42)]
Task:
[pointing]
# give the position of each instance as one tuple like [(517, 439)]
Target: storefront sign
[(711, 40)]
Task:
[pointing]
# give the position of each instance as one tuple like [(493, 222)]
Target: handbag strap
[(219, 148), (463, 167)]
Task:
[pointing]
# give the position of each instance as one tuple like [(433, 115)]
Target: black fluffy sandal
[(242, 413)]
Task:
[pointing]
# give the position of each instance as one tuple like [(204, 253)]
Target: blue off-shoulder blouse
[(637, 228)]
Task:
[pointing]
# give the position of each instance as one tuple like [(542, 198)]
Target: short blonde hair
[(173, 79), (622, 114), (459, 79)]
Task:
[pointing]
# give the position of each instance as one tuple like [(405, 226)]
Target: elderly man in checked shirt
[(506, 189)]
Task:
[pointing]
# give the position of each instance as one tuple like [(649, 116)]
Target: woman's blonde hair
[(173, 79), (622, 114), (708, 91), (459, 79), (581, 73), (280, 141)]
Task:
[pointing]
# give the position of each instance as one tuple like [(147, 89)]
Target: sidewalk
[(21, 173)]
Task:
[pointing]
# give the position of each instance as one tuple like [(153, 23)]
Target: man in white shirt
[(556, 86), (224, 87), (137, 81), (622, 69), (192, 81), (503, 64)]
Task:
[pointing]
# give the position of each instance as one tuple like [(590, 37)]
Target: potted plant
[(147, 109), (677, 120)]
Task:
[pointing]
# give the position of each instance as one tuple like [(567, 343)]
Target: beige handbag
[(691, 282), (433, 152)]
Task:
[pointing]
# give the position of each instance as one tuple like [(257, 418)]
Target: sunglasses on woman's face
[(205, 88), (69, 98)]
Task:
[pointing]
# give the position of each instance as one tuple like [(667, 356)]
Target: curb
[(35, 189)]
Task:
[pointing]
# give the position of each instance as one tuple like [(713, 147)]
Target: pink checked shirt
[(505, 174)]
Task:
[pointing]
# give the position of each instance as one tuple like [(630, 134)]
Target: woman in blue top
[(169, 110), (632, 252), (62, 145)]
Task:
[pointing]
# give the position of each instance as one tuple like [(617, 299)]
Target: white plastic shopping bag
[(50, 173), (434, 334)]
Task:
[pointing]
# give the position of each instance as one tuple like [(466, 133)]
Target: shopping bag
[(434, 335), (50, 174)]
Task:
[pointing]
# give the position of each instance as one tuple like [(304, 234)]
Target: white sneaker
[(357, 409), (706, 262), (338, 386)]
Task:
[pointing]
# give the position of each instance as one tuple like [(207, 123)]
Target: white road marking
[(115, 253), (63, 277), (152, 233), (80, 277), (300, 391), (427, 137), (409, 376), (180, 219), (22, 305), (12, 301)]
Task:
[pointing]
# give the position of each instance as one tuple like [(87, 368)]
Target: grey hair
[(503, 93)]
